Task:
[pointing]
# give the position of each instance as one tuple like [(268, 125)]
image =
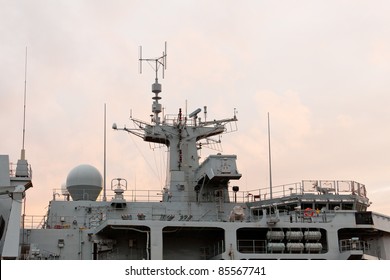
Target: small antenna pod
[(164, 59), (140, 59)]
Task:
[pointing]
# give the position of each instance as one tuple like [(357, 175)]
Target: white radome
[(84, 182)]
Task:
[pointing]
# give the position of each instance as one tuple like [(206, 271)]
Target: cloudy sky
[(320, 68)]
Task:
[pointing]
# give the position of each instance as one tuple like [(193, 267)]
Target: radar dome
[(84, 182)]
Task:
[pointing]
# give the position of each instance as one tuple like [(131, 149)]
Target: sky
[(320, 69)]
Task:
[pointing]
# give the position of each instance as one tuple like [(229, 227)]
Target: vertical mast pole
[(22, 156), (269, 158), (104, 158)]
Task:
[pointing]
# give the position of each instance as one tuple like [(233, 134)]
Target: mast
[(104, 157), (269, 158), (22, 168), (156, 87), (22, 156), (186, 179)]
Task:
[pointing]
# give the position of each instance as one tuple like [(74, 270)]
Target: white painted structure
[(198, 215)]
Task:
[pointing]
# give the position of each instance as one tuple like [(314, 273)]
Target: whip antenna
[(140, 59), (24, 107)]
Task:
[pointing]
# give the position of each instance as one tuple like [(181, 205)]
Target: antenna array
[(155, 63)]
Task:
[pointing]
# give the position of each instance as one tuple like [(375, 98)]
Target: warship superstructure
[(201, 214)]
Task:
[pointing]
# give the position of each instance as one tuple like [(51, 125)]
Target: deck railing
[(300, 188), (309, 187), (12, 170), (252, 246), (32, 221), (288, 190), (355, 244)]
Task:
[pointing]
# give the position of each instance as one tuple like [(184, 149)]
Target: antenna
[(155, 63), (195, 113), (140, 59), (164, 59), (22, 156), (22, 167), (105, 157), (269, 158)]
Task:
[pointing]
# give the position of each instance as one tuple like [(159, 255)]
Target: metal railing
[(12, 170), (33, 221), (260, 194), (308, 187), (353, 244), (252, 246)]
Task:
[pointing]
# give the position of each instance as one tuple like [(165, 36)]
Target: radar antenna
[(156, 64)]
